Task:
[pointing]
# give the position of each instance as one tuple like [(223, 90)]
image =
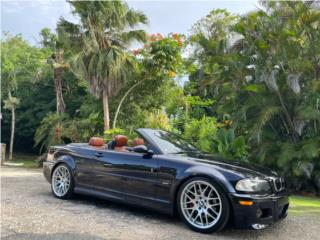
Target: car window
[(170, 143)]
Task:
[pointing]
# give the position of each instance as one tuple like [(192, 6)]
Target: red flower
[(159, 35), (176, 36), (136, 52)]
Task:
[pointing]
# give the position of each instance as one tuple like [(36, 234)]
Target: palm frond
[(134, 35)]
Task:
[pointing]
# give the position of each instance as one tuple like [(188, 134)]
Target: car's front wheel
[(62, 182), (203, 205)]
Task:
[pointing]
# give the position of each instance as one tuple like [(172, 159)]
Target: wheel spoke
[(200, 216), (213, 205), (207, 221), (189, 191), (200, 191), (214, 211), (209, 199), (192, 212), (204, 191), (210, 215), (189, 197)]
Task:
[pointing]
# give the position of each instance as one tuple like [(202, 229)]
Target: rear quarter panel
[(59, 154)]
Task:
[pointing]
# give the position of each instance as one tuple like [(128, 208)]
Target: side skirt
[(161, 207)]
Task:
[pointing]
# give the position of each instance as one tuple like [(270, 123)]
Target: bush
[(210, 136)]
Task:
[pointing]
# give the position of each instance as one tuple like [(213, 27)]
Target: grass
[(304, 205), (28, 160)]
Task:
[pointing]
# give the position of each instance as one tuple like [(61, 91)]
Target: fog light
[(259, 226), (259, 213), (246, 203)]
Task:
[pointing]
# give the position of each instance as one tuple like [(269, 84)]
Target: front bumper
[(264, 211)]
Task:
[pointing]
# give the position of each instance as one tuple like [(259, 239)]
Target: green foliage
[(82, 129), (230, 146), (152, 87), (100, 44), (158, 120), (202, 132), (217, 138), (50, 131), (162, 55), (262, 69), (19, 62), (11, 103), (109, 134)]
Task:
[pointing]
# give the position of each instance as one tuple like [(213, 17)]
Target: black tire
[(69, 192), (225, 207)]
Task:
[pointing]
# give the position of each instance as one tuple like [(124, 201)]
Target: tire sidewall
[(69, 193), (225, 214)]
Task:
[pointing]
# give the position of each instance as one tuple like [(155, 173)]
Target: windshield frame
[(149, 135)]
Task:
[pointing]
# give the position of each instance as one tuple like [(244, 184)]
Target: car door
[(126, 173), (106, 178), (83, 157)]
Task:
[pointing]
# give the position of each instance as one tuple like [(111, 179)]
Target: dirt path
[(29, 211)]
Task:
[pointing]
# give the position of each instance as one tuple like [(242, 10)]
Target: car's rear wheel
[(203, 205), (62, 182)]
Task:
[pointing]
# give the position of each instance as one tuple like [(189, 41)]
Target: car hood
[(236, 167)]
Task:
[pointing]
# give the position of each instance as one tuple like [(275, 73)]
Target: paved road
[(29, 211)]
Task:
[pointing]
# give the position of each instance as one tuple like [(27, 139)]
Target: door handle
[(107, 164), (99, 154)]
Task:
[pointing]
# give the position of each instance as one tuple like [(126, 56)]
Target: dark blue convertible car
[(164, 172)]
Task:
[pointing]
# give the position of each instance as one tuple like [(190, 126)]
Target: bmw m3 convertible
[(162, 171)]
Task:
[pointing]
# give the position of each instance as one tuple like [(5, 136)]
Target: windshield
[(170, 143)]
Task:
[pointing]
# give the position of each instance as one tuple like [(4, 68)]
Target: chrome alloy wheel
[(61, 180), (201, 204)]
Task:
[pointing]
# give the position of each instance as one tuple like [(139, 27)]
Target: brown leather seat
[(96, 142), (137, 142), (120, 143)]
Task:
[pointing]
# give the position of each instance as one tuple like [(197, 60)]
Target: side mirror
[(142, 149)]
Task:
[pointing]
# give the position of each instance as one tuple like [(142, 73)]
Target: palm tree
[(11, 104), (100, 42), (19, 62), (52, 42)]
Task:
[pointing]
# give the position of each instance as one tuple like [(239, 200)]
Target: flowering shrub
[(162, 55)]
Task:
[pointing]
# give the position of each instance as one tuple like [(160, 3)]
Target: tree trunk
[(13, 120), (61, 107), (106, 117), (121, 101)]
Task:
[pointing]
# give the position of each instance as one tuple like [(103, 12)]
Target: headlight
[(253, 185)]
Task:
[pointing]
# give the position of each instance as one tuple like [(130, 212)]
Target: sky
[(29, 17)]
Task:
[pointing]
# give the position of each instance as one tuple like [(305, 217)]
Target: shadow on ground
[(64, 236), (150, 214), (121, 207)]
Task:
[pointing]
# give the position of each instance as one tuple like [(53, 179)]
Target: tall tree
[(51, 42), (100, 42), (11, 104), (19, 63), (159, 62)]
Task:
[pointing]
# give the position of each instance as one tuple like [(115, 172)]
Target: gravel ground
[(29, 211)]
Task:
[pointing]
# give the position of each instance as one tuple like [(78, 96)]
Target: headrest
[(121, 140), (137, 142), (96, 142)]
